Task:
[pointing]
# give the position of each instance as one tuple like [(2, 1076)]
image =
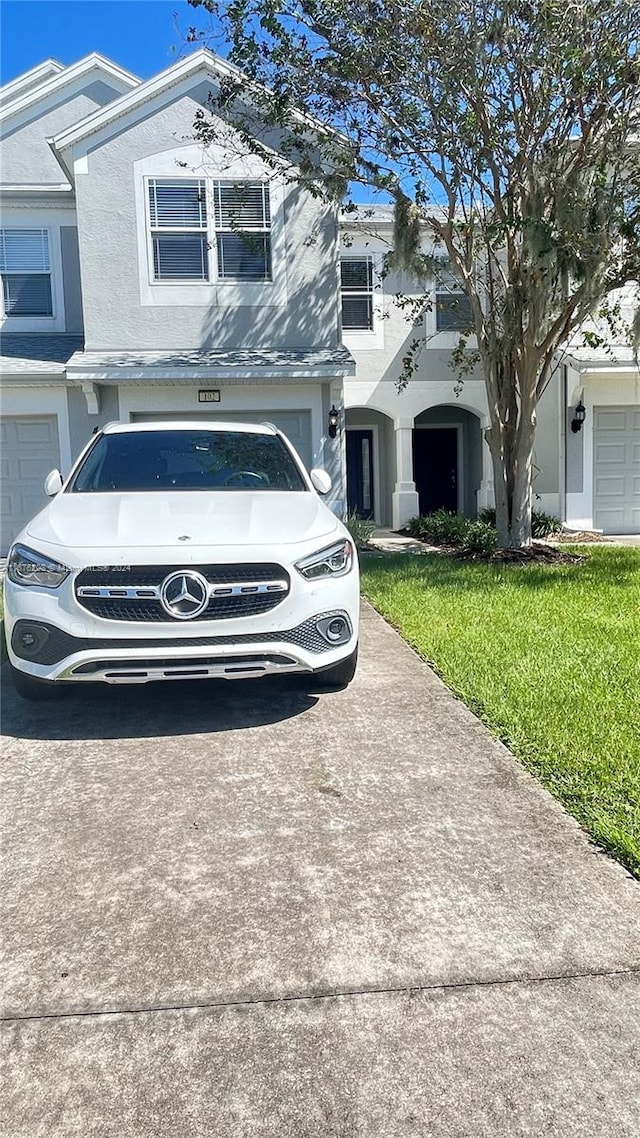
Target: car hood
[(185, 521)]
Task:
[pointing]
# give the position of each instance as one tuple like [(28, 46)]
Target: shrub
[(361, 529), (542, 525), (439, 528), (479, 538)]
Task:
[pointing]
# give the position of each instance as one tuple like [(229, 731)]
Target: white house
[(146, 277)]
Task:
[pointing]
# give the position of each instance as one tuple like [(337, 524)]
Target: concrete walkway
[(240, 911)]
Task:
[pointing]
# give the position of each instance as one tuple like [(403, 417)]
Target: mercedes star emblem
[(184, 595)]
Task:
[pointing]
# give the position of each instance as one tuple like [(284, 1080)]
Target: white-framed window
[(179, 235), (243, 230), (191, 243), (25, 268), (453, 307), (356, 288)]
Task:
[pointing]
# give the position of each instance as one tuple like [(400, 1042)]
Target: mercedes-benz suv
[(182, 550)]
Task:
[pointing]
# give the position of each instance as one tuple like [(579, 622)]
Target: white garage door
[(296, 425), (29, 450), (616, 469)]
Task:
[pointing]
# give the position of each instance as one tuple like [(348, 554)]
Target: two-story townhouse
[(208, 285), (423, 448), (42, 322), (147, 277)]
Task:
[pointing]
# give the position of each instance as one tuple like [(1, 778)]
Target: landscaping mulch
[(535, 554), (583, 537), (538, 553)]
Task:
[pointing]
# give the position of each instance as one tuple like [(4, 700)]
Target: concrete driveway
[(240, 911)]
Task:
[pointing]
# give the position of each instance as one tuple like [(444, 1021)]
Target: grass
[(548, 657)]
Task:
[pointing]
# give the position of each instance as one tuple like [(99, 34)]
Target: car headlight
[(27, 567), (334, 561)]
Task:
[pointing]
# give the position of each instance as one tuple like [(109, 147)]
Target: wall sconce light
[(579, 416), (334, 422)]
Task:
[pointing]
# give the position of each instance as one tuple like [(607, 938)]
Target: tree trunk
[(512, 459)]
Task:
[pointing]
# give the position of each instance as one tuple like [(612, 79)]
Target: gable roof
[(60, 79), (30, 79), (202, 61)]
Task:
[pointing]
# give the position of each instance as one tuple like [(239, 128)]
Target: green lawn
[(549, 657)]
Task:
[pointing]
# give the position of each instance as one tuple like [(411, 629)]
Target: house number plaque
[(208, 396)]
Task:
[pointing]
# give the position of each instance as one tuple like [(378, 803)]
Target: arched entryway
[(447, 459), (370, 451)]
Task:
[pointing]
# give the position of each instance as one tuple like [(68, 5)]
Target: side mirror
[(53, 483), (321, 480)]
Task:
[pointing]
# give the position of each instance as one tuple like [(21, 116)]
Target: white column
[(485, 495), (405, 498)]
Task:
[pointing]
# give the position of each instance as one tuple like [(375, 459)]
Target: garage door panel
[(31, 469), (610, 487), (616, 463), (611, 420), (29, 451), (34, 432), (607, 453), (611, 521)]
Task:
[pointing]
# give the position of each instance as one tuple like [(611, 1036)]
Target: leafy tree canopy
[(508, 131)]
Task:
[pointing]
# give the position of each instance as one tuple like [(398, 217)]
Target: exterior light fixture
[(579, 416), (334, 422)]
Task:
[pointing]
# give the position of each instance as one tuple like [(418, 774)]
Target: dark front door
[(360, 473), (435, 468)]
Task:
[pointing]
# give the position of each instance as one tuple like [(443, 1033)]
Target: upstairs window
[(453, 307), (25, 267), (178, 218), (183, 232), (356, 284), (243, 231)]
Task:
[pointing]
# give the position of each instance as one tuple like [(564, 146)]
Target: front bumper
[(66, 643), (47, 652)]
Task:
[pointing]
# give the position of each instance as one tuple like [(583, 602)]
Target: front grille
[(122, 590), (58, 644)]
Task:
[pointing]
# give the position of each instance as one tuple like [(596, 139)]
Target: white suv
[(182, 551)]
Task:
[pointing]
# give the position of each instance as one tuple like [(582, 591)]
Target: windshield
[(187, 460)]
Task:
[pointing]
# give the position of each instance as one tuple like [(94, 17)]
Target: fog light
[(334, 629), (28, 639)]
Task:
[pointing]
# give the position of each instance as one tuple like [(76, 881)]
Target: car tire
[(338, 675), (30, 687)]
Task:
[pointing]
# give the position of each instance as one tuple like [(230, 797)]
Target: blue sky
[(144, 36)]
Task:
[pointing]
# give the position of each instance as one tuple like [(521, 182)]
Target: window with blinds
[(453, 307), (356, 284), (243, 230), (182, 233), (25, 268), (179, 238)]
